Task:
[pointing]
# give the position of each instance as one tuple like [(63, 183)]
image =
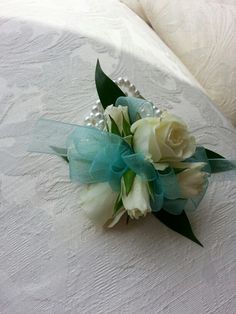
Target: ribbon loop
[(138, 107)]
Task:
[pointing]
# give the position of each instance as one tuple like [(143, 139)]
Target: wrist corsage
[(133, 158)]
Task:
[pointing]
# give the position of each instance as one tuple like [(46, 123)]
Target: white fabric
[(202, 34), (52, 259)]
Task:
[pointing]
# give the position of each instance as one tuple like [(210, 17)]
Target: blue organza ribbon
[(96, 156), (138, 107)]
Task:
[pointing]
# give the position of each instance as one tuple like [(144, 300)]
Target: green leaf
[(178, 223), (151, 189), (126, 126), (118, 204), (129, 177), (129, 140), (216, 165), (114, 127), (212, 155), (107, 90), (60, 151)]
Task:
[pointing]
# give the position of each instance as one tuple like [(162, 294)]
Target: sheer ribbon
[(97, 156)]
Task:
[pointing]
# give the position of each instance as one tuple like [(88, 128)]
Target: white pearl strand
[(128, 87), (96, 116)]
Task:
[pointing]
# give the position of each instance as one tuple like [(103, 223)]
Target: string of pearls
[(96, 116), (128, 88)]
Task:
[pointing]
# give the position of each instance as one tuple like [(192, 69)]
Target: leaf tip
[(198, 242), (98, 63)]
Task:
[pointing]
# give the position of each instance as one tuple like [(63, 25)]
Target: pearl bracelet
[(96, 116)]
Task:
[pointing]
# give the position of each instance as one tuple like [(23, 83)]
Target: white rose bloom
[(164, 139), (98, 200), (137, 201), (191, 181), (117, 114)]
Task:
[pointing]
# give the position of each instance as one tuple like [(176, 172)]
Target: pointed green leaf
[(151, 189), (126, 126), (60, 151), (118, 204), (218, 165), (129, 140), (107, 90), (212, 155), (129, 177), (114, 127), (178, 223)]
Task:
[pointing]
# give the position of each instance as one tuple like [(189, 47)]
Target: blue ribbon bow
[(97, 156)]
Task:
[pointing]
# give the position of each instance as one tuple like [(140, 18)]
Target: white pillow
[(202, 34)]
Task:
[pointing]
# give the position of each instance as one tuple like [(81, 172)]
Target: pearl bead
[(87, 119), (91, 115), (120, 81), (132, 88), (136, 92), (126, 82), (95, 109), (98, 102), (89, 124), (158, 112), (98, 115)]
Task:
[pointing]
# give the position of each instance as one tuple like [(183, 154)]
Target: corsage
[(133, 159)]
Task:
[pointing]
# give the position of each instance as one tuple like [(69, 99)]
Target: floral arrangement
[(133, 159)]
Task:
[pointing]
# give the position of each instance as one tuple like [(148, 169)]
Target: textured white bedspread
[(52, 259)]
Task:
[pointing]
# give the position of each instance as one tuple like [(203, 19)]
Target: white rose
[(137, 201), (191, 181), (117, 114), (98, 200), (163, 139)]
